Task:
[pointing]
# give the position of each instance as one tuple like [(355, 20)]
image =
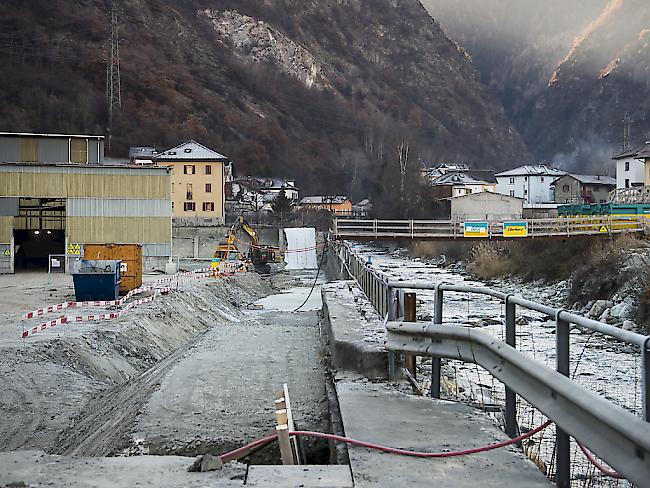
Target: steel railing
[(455, 229), (619, 437)]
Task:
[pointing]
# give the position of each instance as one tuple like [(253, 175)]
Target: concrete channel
[(196, 374)]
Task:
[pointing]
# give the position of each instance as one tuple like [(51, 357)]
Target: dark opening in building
[(39, 232)]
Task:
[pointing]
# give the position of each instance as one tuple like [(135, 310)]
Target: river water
[(606, 367)]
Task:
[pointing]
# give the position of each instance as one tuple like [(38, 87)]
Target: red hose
[(267, 440), (599, 466)]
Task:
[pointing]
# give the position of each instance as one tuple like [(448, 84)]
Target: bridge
[(368, 229)]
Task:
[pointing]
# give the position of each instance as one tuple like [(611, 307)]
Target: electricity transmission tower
[(627, 129), (113, 84)]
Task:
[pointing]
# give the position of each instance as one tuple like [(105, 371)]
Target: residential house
[(530, 182), (644, 155), (630, 169), (572, 188), (198, 181), (431, 173), (256, 193), (337, 204), (27, 147), (465, 182), (485, 205)]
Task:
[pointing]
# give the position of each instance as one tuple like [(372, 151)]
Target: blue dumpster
[(96, 279)]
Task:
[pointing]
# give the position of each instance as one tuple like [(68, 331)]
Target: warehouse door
[(39, 232)]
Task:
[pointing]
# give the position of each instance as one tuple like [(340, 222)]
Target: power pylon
[(113, 84), (627, 130)]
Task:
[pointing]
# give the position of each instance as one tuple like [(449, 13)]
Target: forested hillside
[(328, 92)]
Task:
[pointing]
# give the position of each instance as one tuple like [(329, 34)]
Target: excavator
[(260, 255)]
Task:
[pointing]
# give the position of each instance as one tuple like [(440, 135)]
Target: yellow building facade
[(198, 181)]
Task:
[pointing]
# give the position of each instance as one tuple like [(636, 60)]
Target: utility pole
[(627, 130), (113, 84)]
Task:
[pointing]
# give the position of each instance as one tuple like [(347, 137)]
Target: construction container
[(129, 254), (96, 279)]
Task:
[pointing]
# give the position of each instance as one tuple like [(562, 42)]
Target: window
[(189, 206), (189, 169), (525, 178), (29, 151), (208, 206), (627, 182), (78, 151), (188, 192), (512, 193), (208, 169), (172, 206), (512, 181), (627, 166), (542, 179), (525, 192), (188, 150), (172, 188), (208, 188)]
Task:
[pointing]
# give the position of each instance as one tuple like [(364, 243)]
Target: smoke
[(590, 155)]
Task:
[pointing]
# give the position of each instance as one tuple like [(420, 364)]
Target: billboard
[(515, 229), (476, 229)]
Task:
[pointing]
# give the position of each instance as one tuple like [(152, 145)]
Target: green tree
[(281, 204)]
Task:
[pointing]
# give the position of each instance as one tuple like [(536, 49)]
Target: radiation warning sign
[(515, 229), (74, 249), (604, 229)]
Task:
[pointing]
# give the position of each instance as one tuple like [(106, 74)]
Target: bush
[(488, 260)]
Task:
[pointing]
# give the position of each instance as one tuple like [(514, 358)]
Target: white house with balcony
[(530, 182), (630, 168)]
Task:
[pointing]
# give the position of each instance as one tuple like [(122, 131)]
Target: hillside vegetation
[(328, 92)]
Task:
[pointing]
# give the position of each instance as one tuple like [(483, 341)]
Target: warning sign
[(74, 249), (604, 229), (515, 229), (6, 252), (124, 267)]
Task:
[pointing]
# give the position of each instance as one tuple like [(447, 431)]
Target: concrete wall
[(201, 242), (569, 190), (486, 206)]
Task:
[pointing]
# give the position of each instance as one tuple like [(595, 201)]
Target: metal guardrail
[(614, 434), (454, 229)]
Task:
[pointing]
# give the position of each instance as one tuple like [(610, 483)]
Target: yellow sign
[(476, 229), (74, 249), (604, 229), (515, 229), (7, 252)]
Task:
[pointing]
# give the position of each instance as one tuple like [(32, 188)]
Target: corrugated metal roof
[(188, 151), (34, 134), (532, 170), (81, 168)]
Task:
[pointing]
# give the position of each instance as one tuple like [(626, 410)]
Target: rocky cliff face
[(566, 72), (320, 90)]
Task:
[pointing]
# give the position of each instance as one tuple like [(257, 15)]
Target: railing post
[(410, 305), (374, 225), (645, 378), (511, 396), (391, 318), (435, 362), (562, 441)]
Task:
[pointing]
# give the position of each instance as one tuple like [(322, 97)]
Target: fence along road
[(367, 229), (612, 433)]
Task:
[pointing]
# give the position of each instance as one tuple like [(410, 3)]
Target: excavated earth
[(190, 372)]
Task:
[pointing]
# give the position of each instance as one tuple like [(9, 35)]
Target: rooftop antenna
[(113, 84)]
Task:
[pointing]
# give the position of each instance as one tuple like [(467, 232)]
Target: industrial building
[(198, 183), (26, 147), (57, 208)]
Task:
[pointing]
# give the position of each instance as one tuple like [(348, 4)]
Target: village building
[(485, 206), (630, 169), (27, 147), (530, 182), (198, 182), (458, 183), (336, 204), (572, 188)]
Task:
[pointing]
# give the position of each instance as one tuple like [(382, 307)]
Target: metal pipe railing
[(376, 284)]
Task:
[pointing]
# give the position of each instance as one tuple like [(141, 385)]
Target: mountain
[(321, 90), (566, 72)]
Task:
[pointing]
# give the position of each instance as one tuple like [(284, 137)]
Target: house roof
[(639, 152), (485, 194), (591, 179), (34, 134), (532, 170), (473, 177), (190, 150), (322, 200)]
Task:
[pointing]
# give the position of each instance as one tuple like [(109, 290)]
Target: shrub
[(487, 260)]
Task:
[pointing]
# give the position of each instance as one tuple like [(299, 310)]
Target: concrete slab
[(379, 414), (35, 468), (304, 476), (356, 333)]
